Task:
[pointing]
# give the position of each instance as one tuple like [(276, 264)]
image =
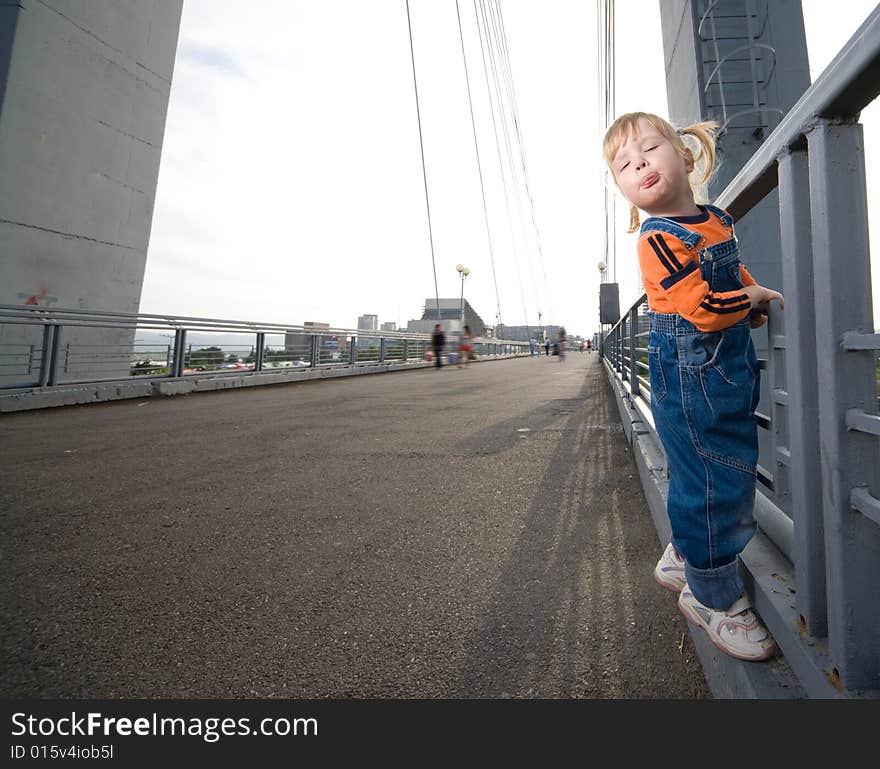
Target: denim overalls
[(704, 392)]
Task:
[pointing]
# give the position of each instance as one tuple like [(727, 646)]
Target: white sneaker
[(669, 571), (737, 631)]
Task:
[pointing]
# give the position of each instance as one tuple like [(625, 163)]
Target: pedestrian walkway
[(434, 533)]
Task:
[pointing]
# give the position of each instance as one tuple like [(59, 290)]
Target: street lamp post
[(464, 272)]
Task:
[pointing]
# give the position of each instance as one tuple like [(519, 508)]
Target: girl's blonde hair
[(703, 133)]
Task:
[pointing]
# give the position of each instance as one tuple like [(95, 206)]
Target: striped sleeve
[(672, 280)]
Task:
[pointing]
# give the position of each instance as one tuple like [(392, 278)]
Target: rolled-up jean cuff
[(716, 588)]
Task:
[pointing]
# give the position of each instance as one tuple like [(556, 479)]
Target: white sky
[(291, 189)]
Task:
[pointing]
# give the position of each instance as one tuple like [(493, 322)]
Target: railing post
[(313, 350), (845, 381), (618, 349), (49, 355), (352, 350), (633, 368), (801, 412), (405, 350), (260, 352), (382, 341), (179, 355)]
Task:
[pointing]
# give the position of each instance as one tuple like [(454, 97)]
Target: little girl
[(703, 370)]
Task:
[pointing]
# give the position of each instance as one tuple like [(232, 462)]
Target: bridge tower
[(84, 93), (742, 63)]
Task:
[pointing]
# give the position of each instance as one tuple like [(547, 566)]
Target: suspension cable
[(516, 124), (424, 170), (605, 70), (498, 143), (479, 167), (497, 63)]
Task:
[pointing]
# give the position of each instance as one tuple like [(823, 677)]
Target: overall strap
[(726, 218), (670, 227)]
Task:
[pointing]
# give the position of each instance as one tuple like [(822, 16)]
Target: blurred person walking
[(464, 347), (438, 339)]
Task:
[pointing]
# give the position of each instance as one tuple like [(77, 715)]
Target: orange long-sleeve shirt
[(672, 280)]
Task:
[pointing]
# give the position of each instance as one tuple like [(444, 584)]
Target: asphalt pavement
[(448, 533)]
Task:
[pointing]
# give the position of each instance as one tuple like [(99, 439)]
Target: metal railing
[(819, 465), (43, 347)]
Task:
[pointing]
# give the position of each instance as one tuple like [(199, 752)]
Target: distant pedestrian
[(561, 343), (438, 339), (531, 347), (547, 347), (465, 347)]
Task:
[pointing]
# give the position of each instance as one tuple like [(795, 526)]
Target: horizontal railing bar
[(783, 456), (856, 419), (779, 527), (860, 499), (18, 315), (853, 340), (43, 316)]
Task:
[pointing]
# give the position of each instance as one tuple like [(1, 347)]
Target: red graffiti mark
[(40, 299)]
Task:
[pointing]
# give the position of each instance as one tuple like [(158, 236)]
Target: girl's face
[(652, 174)]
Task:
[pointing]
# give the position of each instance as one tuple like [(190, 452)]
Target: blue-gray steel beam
[(800, 385), (846, 381)]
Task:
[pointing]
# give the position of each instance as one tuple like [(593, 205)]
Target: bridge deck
[(476, 533)]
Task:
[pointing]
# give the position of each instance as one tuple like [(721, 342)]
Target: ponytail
[(633, 219), (704, 133)]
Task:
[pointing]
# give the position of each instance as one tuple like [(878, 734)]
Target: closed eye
[(623, 166)]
